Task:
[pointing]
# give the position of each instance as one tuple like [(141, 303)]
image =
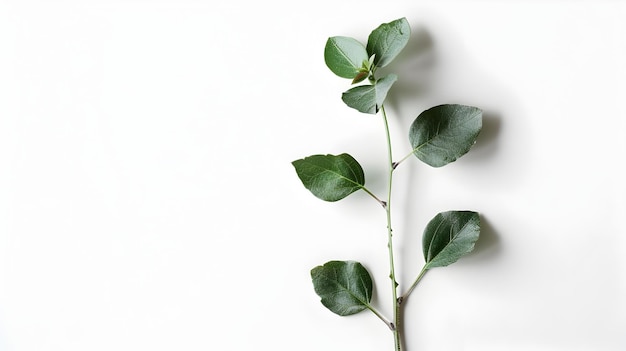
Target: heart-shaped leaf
[(330, 177), (448, 236), (444, 133), (386, 41), (369, 98), (346, 57), (344, 286)]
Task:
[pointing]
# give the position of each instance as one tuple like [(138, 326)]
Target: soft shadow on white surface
[(147, 200)]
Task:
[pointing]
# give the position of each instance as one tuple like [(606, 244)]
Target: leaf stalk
[(381, 202), (417, 280), (381, 317)]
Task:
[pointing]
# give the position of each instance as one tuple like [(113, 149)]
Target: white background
[(148, 202)]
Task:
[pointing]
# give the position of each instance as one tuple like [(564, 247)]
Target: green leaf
[(345, 56), (330, 177), (444, 133), (448, 236), (369, 98), (344, 286), (388, 40)]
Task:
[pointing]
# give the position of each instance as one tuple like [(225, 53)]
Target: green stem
[(392, 274)]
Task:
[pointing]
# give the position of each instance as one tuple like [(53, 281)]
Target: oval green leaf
[(369, 98), (448, 236), (344, 286), (386, 41), (330, 177), (444, 133), (345, 56)]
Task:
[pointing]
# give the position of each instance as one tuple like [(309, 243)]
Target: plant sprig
[(438, 136)]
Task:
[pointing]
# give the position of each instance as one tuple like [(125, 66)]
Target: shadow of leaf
[(414, 67)]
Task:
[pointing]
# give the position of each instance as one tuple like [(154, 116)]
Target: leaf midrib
[(344, 288), (416, 149), (340, 175), (448, 243), (334, 43)]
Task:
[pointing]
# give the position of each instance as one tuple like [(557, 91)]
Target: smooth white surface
[(147, 200)]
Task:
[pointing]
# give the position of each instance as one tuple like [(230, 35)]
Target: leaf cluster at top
[(349, 58)]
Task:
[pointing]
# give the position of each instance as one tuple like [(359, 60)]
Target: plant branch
[(439, 135)]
